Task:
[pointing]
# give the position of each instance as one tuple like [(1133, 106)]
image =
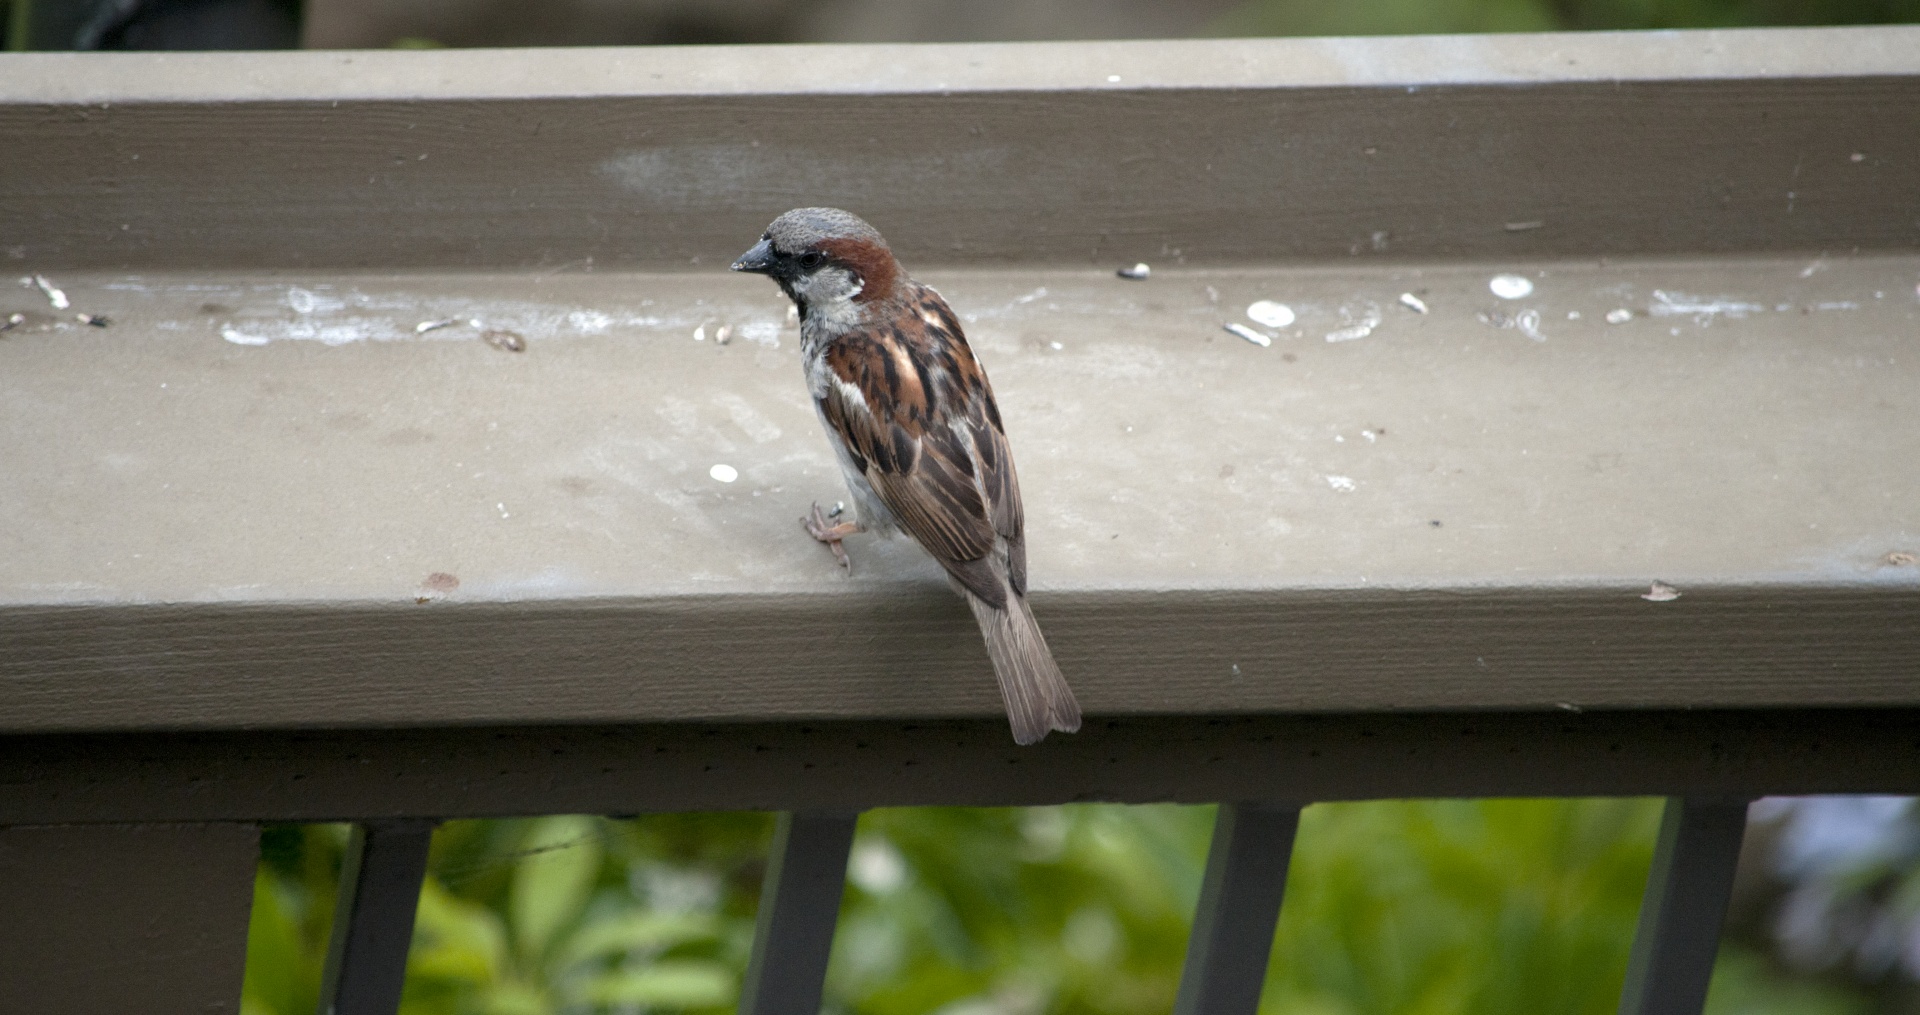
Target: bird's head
[(824, 259)]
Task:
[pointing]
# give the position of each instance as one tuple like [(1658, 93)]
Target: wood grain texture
[(749, 658), (824, 766), (1186, 163)]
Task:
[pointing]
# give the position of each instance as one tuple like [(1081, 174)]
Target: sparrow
[(913, 422)]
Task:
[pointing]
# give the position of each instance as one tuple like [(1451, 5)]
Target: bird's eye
[(812, 259)]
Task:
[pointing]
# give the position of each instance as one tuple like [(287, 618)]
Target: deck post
[(373, 921), (98, 918), (799, 908), (1685, 904), (1239, 906)]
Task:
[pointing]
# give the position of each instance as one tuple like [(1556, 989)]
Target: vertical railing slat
[(799, 908), (1684, 907), (1239, 906), (373, 920)]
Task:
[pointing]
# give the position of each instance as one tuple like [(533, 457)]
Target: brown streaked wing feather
[(925, 477), (995, 457)]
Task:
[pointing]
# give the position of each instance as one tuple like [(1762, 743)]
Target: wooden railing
[(274, 554)]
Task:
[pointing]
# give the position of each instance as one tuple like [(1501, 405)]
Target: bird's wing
[(915, 410)]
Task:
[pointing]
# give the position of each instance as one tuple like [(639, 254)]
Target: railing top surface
[(262, 498), (951, 68), (267, 501)]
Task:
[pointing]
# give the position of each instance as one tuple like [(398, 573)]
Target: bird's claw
[(831, 533)]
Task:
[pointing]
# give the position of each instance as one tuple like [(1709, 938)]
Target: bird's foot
[(820, 527)]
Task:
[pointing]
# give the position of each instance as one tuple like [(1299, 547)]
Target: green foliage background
[(1490, 907)]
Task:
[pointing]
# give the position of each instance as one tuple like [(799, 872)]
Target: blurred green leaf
[(635, 931), (552, 881), (670, 983)]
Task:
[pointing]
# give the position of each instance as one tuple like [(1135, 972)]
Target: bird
[(919, 438)]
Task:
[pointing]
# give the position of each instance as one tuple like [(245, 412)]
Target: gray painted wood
[(107, 919), (218, 535), (1240, 900), (826, 766), (1685, 904), (799, 908), (1221, 150), (373, 919)]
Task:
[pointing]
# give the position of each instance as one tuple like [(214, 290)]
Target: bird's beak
[(759, 260)]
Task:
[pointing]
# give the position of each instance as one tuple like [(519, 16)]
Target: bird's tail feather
[(1037, 696)]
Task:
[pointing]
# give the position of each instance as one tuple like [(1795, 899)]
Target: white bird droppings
[(238, 337), (54, 295), (1139, 272), (1511, 287), (1270, 314), (1413, 303), (700, 333), (1250, 335), (1341, 483), (1660, 592), (1619, 315), (724, 473)]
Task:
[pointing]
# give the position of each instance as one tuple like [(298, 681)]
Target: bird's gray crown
[(803, 228)]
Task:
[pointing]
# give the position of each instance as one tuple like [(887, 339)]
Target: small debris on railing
[(425, 326), (724, 473), (96, 320), (1567, 706), (1522, 227), (504, 340), (437, 585), (723, 334), (1510, 287), (700, 333), (1343, 484), (502, 508), (1139, 272), (1573, 315), (1660, 592), (13, 321), (1619, 315), (1249, 334), (1494, 318), (1857, 157), (54, 296), (839, 508), (1413, 303), (1361, 328), (1529, 325), (1270, 314), (238, 337), (1901, 558)]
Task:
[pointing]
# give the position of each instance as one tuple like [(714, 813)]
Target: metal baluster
[(1239, 906), (799, 908), (373, 921), (1684, 906)]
